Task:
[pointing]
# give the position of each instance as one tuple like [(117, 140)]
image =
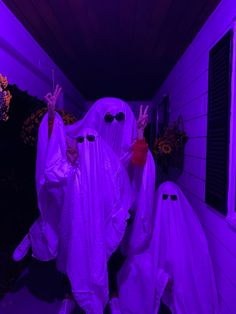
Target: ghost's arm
[(139, 152), (61, 157), (51, 153), (140, 147)]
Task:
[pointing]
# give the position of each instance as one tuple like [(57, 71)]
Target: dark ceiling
[(122, 48)]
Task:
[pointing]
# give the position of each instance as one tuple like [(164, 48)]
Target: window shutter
[(219, 99)]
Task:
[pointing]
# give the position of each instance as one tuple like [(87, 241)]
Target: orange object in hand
[(139, 152)]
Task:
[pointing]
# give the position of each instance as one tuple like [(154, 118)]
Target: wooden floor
[(39, 290)]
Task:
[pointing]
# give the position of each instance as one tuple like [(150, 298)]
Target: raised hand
[(142, 121), (51, 100)]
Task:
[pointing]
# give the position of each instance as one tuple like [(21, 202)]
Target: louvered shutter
[(219, 98)]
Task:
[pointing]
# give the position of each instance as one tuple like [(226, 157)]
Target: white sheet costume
[(178, 250), (120, 134), (115, 122), (84, 208)]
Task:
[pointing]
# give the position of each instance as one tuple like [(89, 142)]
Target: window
[(218, 128), (231, 217)]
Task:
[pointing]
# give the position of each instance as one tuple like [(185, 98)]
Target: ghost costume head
[(92, 217), (178, 251), (114, 121)]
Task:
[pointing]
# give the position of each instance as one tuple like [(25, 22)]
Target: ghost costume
[(84, 209), (178, 251), (120, 135), (115, 122)]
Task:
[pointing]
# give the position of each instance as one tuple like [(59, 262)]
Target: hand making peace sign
[(142, 121), (51, 100)]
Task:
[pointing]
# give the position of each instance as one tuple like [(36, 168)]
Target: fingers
[(143, 122), (143, 114), (57, 91), (140, 112), (146, 111), (48, 96)]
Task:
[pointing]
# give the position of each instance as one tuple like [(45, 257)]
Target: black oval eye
[(165, 196), (80, 139), (120, 116), (90, 138), (174, 197), (108, 118)]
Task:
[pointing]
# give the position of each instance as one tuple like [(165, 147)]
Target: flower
[(29, 132), (170, 145), (165, 148)]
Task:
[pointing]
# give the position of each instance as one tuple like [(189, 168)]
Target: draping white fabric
[(46, 234), (178, 251), (84, 208), (120, 136), (43, 233)]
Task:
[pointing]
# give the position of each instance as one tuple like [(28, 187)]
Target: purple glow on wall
[(187, 87)]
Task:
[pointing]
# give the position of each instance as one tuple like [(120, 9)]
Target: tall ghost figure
[(84, 208), (115, 122), (178, 252)]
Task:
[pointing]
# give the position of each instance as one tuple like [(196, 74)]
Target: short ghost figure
[(176, 268), (115, 122), (84, 197)]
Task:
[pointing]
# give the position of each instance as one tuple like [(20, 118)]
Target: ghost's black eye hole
[(120, 116), (174, 197), (80, 139), (90, 138), (108, 118), (165, 196)]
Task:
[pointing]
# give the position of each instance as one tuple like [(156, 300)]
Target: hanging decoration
[(169, 148), (29, 133), (5, 98)]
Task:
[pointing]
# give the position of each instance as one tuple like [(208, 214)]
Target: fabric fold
[(85, 205)]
